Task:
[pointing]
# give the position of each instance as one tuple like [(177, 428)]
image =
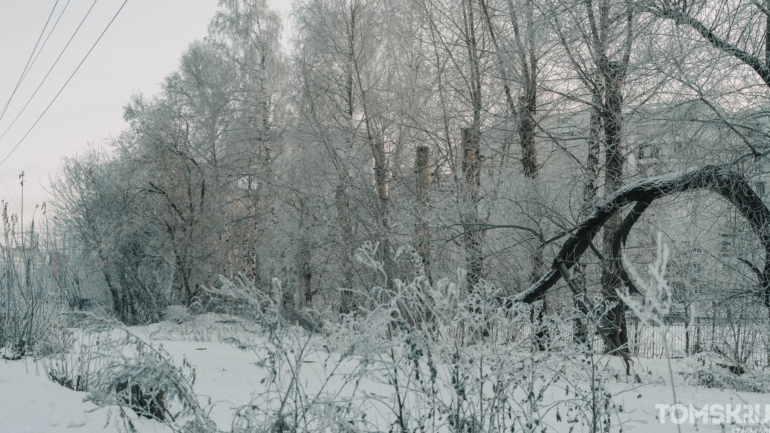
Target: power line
[(62, 88), (18, 83), (27, 68), (65, 84), (51, 70), (46, 39)]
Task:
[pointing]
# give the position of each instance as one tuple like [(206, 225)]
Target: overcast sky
[(142, 46)]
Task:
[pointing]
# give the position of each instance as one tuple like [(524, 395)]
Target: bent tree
[(729, 184)]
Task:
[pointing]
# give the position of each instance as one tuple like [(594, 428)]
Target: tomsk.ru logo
[(740, 414)]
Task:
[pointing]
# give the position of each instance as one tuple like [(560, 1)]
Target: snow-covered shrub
[(141, 377), (176, 314), (271, 309), (253, 303), (740, 341), (72, 362), (25, 301), (723, 369), (416, 357), (419, 357), (55, 338), (473, 361), (712, 370), (198, 327)]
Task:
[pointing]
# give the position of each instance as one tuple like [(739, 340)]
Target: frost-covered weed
[(656, 301), (72, 362), (712, 370), (471, 363), (418, 357), (26, 304), (176, 314), (140, 379), (284, 402), (204, 327)]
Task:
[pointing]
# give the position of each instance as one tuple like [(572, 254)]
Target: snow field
[(228, 378)]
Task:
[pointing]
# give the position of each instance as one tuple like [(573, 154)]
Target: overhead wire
[(50, 70), (18, 83), (2, 181), (47, 38), (27, 67), (10, 192), (65, 84)]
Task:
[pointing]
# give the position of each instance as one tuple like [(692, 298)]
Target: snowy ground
[(226, 378), (30, 403)]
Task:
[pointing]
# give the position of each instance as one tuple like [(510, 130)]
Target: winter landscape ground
[(401, 216), (227, 378), (214, 372)]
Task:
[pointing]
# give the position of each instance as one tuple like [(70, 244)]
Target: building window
[(696, 268), (725, 247), (644, 151), (647, 151)]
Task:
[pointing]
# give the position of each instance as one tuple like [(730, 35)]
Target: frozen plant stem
[(670, 370), (656, 302)]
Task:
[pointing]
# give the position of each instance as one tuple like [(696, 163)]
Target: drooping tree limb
[(729, 184), (620, 240)]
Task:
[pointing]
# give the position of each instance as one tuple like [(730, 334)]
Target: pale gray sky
[(142, 46)]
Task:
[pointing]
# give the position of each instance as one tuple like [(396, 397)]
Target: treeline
[(473, 131)]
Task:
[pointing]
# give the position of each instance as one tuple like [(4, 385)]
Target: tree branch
[(729, 184)]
